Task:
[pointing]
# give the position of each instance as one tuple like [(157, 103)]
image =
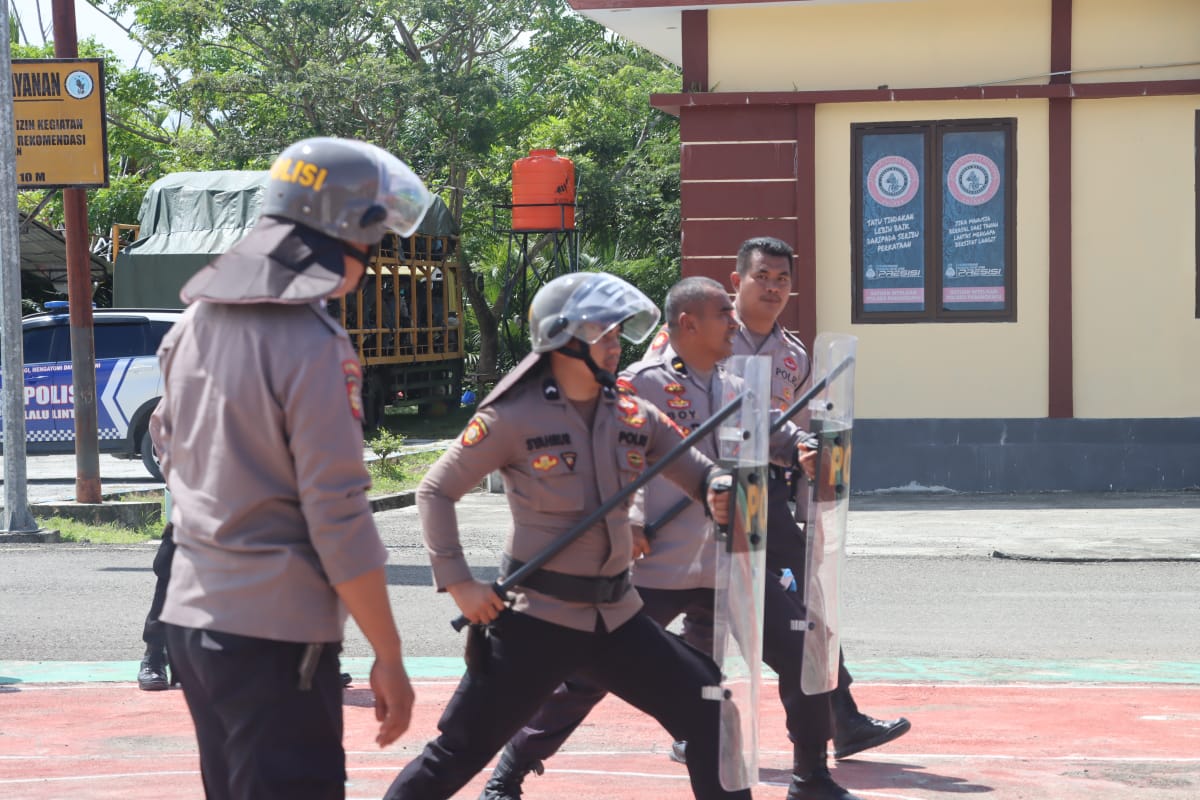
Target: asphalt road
[(920, 583)]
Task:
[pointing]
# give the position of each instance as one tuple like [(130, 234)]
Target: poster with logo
[(893, 220), (973, 224)]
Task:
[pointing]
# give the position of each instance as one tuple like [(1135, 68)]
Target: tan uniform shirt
[(260, 439), (683, 551), (790, 367), (554, 467)]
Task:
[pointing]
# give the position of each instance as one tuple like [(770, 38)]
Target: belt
[(571, 588)]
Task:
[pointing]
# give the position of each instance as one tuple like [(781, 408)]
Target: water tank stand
[(534, 258)]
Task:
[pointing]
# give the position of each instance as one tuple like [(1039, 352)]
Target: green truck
[(405, 321)]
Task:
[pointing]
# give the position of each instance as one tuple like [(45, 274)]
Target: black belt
[(572, 588)]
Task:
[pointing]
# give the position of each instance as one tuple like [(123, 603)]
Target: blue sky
[(88, 23)]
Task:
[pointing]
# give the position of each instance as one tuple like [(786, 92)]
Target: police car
[(128, 380)]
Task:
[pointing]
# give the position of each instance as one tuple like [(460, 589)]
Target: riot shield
[(829, 499), (741, 569)]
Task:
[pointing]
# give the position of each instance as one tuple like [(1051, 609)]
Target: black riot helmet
[(576, 310), (585, 306), (346, 189)]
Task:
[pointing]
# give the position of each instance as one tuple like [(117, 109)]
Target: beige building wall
[(1134, 251), (1152, 40), (917, 43), (980, 369)]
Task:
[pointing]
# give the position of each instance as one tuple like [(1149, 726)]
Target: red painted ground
[(1046, 742)]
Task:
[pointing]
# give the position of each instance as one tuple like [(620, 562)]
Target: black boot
[(506, 780), (811, 779), (152, 674), (854, 731)]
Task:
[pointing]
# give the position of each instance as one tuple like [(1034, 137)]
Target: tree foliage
[(458, 88)]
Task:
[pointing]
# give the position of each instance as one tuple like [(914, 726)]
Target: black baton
[(558, 545)]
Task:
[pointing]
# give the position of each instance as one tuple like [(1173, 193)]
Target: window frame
[(933, 178)]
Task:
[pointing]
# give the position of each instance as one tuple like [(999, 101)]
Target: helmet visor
[(402, 194), (598, 306)]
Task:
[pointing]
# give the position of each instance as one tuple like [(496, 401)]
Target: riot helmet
[(345, 189), (585, 306)]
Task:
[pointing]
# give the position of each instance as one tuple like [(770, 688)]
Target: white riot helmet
[(585, 306), (346, 189)]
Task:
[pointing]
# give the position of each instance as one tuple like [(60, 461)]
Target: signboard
[(60, 130), (973, 221), (893, 222)]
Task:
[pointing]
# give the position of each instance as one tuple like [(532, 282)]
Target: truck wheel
[(149, 459)]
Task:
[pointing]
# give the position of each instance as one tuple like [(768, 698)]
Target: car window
[(121, 340), (47, 343), (158, 329)]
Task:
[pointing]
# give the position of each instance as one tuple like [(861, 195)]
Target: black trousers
[(154, 632), (528, 658), (575, 697), (786, 547), (808, 717), (260, 736)]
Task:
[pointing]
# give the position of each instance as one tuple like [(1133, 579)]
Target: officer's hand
[(718, 499), (393, 699), (808, 462), (641, 545), (478, 602)]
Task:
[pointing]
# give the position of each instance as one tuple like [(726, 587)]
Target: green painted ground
[(975, 671)]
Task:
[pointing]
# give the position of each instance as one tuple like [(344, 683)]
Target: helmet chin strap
[(363, 258), (578, 349)]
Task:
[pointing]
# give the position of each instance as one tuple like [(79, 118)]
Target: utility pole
[(79, 296), (17, 517)]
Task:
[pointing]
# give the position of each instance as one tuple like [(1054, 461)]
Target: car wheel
[(149, 459)]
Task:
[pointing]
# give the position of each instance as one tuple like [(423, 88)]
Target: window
[(46, 344), (121, 340), (933, 215)]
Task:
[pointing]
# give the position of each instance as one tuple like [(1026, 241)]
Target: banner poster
[(973, 224), (893, 222)]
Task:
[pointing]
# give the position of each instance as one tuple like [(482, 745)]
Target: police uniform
[(677, 577), (579, 613), (261, 446)]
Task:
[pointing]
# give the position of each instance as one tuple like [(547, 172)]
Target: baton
[(581, 527), (671, 513)]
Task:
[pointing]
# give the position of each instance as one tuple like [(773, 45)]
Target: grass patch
[(400, 473), (83, 532), (410, 423)]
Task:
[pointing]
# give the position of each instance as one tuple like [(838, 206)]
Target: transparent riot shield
[(741, 570), (833, 424)]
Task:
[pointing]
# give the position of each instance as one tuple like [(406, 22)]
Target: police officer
[(762, 283), (152, 672), (260, 439), (683, 376), (563, 440)]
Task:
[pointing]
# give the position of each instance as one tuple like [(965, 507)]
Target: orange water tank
[(543, 192)]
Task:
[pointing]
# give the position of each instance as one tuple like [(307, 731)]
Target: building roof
[(44, 252)]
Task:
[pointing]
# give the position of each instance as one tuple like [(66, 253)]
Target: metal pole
[(17, 517), (79, 295)]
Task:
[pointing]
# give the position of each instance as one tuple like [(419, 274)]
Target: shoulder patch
[(660, 340), (672, 424), (625, 387), (352, 372), (475, 432)]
